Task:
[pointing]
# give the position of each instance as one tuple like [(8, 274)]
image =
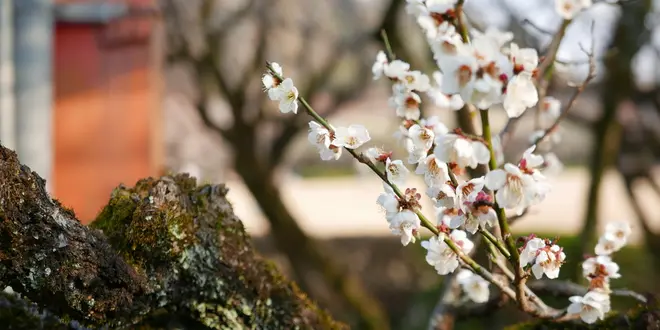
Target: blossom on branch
[(397, 173), (615, 237), (591, 307), (568, 9), (441, 256), (474, 286), (460, 150), (475, 213), (519, 187), (321, 138), (351, 137), (435, 172)]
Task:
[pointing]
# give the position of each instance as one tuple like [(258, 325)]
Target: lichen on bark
[(163, 252)]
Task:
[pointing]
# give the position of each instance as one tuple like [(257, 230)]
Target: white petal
[(538, 271), (575, 308), (495, 179), (481, 152)]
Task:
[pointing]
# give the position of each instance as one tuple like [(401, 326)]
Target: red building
[(107, 64)]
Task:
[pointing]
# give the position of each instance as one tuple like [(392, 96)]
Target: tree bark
[(166, 253)]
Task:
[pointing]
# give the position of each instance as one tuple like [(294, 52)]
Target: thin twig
[(388, 46), (565, 288), (578, 90), (493, 240), (545, 31)]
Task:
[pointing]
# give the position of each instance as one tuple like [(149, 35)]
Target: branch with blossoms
[(481, 71)]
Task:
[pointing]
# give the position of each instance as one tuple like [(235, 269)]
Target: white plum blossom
[(435, 124), (435, 172), (606, 247), (396, 69), (515, 189), (429, 16), (459, 150), (568, 9), (443, 195), (270, 82), (474, 286), (548, 261), (600, 266), (389, 203), (591, 307), (351, 137), (618, 231), (446, 42), (405, 224), (441, 256), (520, 95), (530, 251), (406, 105), (397, 172), (320, 137), (379, 65), (615, 237), (468, 190), (459, 73), (550, 110), (421, 137), (415, 80), (475, 213), (531, 162), (376, 155), (287, 94), (519, 187), (444, 215), (477, 71), (523, 59), (442, 100)]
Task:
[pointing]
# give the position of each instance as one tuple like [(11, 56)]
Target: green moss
[(190, 245)]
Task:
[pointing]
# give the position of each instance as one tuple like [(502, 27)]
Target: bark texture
[(163, 254)]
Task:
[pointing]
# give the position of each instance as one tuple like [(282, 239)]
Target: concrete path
[(336, 207)]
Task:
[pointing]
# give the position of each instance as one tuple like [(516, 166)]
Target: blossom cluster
[(599, 270), (485, 71)]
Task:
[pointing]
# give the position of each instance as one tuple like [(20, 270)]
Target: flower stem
[(388, 46), (501, 215), (519, 281), (492, 239), (460, 24)]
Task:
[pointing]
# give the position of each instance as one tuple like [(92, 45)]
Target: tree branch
[(578, 90), (567, 289)]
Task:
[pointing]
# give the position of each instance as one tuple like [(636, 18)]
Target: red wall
[(107, 122)]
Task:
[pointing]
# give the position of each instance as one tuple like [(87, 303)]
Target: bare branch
[(553, 48), (565, 288), (578, 90), (545, 31)]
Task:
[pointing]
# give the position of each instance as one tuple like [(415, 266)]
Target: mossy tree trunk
[(166, 253)]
